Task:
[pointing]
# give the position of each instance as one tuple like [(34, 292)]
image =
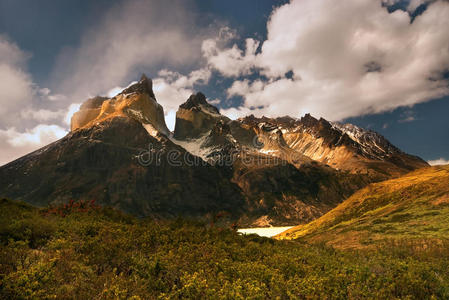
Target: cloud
[(214, 101), (16, 144), (243, 62), (73, 108), (42, 115), (437, 162), (16, 86), (21, 100), (23, 120), (407, 116), (414, 4), (131, 37), (346, 59)]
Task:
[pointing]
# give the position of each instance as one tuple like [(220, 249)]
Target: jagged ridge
[(263, 171)]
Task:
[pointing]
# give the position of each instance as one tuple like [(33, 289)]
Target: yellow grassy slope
[(414, 206)]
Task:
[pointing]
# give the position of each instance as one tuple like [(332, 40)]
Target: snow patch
[(264, 231), (193, 146), (152, 131)]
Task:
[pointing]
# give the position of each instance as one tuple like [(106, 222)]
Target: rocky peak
[(144, 86), (221, 128), (88, 111), (198, 102), (136, 102), (196, 117), (308, 120)]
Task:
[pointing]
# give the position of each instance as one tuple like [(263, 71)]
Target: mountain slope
[(122, 158), (344, 147), (280, 185), (260, 171), (414, 206)]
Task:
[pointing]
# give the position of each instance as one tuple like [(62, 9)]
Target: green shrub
[(103, 254)]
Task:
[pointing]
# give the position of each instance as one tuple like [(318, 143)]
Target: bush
[(105, 254)]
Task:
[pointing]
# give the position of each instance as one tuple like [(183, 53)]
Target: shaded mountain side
[(279, 193), (101, 163), (412, 207)]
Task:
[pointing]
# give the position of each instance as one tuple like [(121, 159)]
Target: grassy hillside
[(81, 251), (413, 208)]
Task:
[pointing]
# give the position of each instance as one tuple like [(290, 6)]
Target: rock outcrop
[(196, 117), (137, 102)]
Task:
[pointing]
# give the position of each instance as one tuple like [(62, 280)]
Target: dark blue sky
[(44, 28)]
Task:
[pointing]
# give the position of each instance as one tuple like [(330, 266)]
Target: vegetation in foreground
[(86, 252), (414, 207)]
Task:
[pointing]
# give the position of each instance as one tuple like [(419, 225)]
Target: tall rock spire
[(144, 86)]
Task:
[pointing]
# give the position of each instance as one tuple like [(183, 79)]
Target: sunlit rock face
[(348, 147), (137, 102), (88, 111)]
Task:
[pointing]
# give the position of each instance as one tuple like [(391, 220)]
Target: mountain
[(341, 146), (412, 207), (118, 154), (256, 171)]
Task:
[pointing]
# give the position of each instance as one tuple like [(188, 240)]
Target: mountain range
[(251, 171)]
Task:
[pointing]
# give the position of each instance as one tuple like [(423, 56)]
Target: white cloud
[(348, 58), (21, 100), (114, 91), (73, 108), (437, 162), (231, 61), (38, 136), (131, 37), (56, 97), (170, 119), (41, 115), (44, 91), (414, 4), (16, 144), (16, 87), (214, 101)]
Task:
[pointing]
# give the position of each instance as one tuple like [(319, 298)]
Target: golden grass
[(413, 206)]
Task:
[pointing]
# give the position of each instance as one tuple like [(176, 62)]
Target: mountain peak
[(136, 102), (199, 101), (196, 117), (144, 86)]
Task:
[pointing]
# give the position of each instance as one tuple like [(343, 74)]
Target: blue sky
[(371, 63)]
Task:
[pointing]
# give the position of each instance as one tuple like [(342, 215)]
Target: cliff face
[(137, 102), (196, 117), (348, 147), (260, 171)]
